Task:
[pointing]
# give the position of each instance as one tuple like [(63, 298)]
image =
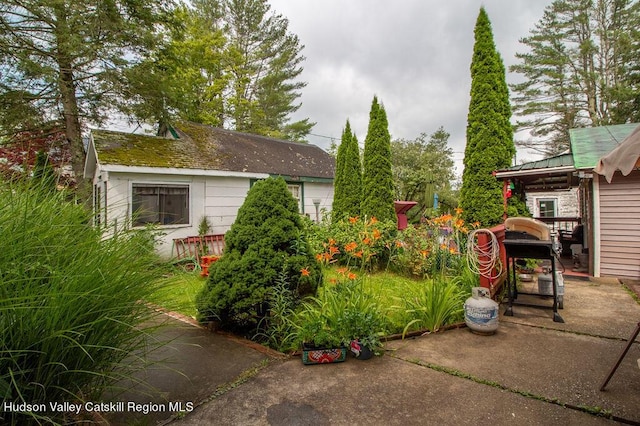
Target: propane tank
[(481, 312)]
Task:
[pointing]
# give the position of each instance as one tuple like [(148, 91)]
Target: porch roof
[(589, 144), (543, 175)]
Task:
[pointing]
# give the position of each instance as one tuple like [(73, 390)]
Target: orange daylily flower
[(320, 257), (398, 243), (452, 250), (350, 246), (373, 220), (424, 253), (358, 254), (376, 234), (333, 280), (332, 242), (443, 246), (353, 219), (476, 224), (342, 271), (458, 210), (366, 240), (352, 276), (333, 250), (305, 272), (459, 223)]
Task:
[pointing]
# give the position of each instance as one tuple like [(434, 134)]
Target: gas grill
[(527, 238)]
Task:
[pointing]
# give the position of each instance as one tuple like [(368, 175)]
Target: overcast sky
[(413, 54)]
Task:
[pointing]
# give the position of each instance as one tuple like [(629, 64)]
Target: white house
[(197, 172)]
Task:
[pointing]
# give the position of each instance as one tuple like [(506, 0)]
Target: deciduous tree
[(421, 168)]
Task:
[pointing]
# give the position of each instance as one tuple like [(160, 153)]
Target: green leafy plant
[(277, 330), (437, 303), (71, 301), (342, 312), (266, 238)]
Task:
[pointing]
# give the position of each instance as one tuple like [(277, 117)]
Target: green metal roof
[(547, 163), (589, 144)]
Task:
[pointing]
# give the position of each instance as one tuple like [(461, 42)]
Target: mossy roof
[(204, 147)]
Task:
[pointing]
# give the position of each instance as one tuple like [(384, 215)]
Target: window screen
[(160, 204)]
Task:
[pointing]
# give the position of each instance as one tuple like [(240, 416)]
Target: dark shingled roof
[(209, 148)]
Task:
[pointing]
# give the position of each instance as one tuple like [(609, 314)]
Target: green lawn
[(402, 299), (178, 292)]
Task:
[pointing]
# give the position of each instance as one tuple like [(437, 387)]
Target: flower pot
[(360, 351), (315, 355)]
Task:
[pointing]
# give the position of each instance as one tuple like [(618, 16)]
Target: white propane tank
[(481, 312)]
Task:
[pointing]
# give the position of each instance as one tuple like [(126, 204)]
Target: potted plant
[(364, 324), (319, 332)]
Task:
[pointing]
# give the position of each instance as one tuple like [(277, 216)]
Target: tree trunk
[(66, 84)]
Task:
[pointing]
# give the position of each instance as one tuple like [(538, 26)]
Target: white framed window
[(547, 207), (296, 191), (161, 204)]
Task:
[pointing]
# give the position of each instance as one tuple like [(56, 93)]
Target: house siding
[(217, 198), (619, 208), (223, 198)]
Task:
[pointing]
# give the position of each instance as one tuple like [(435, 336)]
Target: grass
[(408, 304), (69, 302), (413, 304), (177, 291)]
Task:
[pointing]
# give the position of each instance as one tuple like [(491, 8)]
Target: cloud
[(413, 54)]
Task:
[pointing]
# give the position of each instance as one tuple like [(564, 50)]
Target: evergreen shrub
[(266, 239)]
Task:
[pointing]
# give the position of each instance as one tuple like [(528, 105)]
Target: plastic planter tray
[(312, 355)]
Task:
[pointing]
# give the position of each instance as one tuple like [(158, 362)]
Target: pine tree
[(580, 69), (62, 61), (377, 180), (348, 181), (489, 133)]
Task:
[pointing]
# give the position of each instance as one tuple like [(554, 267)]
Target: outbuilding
[(197, 173)]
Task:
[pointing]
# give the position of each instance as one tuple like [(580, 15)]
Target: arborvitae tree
[(489, 133), (377, 180), (348, 181), (266, 240)]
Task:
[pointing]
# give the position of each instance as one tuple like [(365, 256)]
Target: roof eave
[(532, 172)]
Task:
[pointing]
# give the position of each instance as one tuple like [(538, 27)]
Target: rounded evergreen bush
[(266, 238)]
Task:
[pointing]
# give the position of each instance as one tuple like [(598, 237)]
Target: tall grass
[(437, 302), (70, 302)]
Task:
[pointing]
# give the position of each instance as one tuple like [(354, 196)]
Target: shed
[(197, 172)]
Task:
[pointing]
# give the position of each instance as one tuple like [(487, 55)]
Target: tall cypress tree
[(377, 180), (337, 208), (489, 133), (348, 183)]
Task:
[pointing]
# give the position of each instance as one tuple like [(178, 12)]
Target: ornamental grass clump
[(70, 302), (266, 239)]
